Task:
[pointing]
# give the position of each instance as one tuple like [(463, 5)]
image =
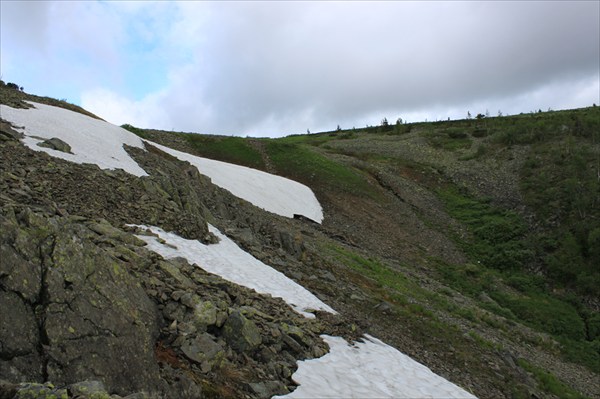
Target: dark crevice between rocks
[(7, 356), (41, 305)]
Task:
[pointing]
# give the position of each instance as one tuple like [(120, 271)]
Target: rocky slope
[(84, 298), (88, 308)]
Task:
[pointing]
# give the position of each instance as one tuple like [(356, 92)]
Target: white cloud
[(265, 68), (119, 110)]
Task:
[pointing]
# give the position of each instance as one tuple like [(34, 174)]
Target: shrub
[(456, 133), (13, 86)]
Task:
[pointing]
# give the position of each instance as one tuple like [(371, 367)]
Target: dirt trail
[(259, 146)]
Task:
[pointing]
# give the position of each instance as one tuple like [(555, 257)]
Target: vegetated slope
[(83, 299), (471, 244), (413, 220), (62, 272)]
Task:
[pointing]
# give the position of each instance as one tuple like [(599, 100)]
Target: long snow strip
[(91, 140), (101, 143), (369, 369), (229, 261), (272, 193)]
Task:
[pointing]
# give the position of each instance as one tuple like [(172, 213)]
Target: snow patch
[(91, 140), (101, 143), (272, 193), (369, 369), (366, 369), (229, 261)]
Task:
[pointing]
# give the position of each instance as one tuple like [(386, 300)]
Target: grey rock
[(241, 333), (243, 236), (39, 391), (292, 245), (56, 144), (204, 314), (91, 316), (292, 343), (7, 132), (202, 349), (327, 275), (89, 389), (384, 307), (268, 389), (8, 390)]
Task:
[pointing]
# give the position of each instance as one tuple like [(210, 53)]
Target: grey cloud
[(272, 67), (343, 61), (24, 24)]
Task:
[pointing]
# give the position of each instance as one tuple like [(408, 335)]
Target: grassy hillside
[(471, 245), (504, 211)]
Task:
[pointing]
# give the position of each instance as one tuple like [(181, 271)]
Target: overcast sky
[(271, 69)]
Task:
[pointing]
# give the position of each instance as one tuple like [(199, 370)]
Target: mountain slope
[(460, 207), (395, 253)]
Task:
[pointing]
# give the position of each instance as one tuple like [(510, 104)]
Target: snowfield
[(369, 369), (272, 193), (101, 143), (229, 261), (365, 369), (91, 140)]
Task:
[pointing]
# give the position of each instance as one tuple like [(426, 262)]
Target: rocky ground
[(406, 226), (90, 311), (83, 297)]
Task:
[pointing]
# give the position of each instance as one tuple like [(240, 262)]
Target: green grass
[(316, 139), (230, 149), (530, 305), (300, 163), (136, 130), (549, 383), (450, 139), (399, 286), (544, 313), (498, 236), (559, 183), (499, 249), (235, 150)]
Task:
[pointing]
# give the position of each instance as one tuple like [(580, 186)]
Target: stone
[(205, 314), (295, 332), (173, 271), (97, 319), (40, 391), (56, 144), (244, 236), (89, 389), (292, 344), (268, 389), (8, 133), (292, 245), (203, 350), (240, 333), (384, 307), (327, 275)]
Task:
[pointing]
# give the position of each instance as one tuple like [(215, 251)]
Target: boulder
[(204, 350), (89, 390), (268, 389), (71, 309), (8, 133), (56, 144), (240, 333)]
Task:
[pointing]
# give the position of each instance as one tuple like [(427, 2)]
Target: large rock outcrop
[(71, 310), (85, 304)]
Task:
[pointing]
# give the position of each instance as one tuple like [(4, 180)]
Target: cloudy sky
[(275, 68)]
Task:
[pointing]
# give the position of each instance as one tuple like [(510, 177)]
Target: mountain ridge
[(373, 266)]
